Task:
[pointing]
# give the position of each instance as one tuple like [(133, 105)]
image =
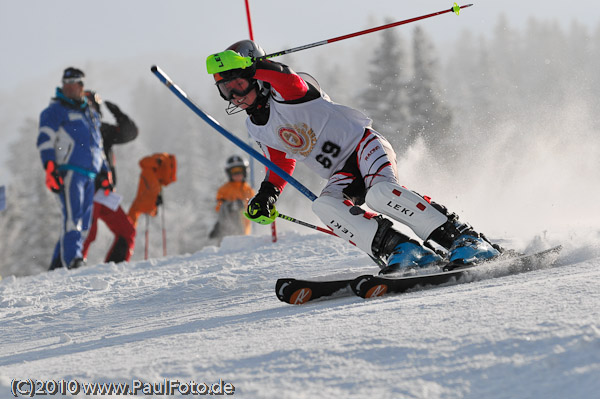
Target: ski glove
[(54, 181), (261, 208)]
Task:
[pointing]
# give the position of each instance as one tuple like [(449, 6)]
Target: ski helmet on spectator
[(236, 164), (245, 48)]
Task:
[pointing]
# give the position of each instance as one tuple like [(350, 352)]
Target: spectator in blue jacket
[(70, 145)]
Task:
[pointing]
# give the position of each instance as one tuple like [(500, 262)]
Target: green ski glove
[(261, 208)]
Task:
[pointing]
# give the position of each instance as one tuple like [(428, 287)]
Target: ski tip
[(154, 68)]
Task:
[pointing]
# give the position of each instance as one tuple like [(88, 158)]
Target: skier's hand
[(261, 208), (226, 61), (54, 181)]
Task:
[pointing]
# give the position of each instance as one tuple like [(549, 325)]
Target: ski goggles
[(238, 86), (78, 79)]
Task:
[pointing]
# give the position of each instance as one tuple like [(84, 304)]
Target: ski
[(297, 292), (374, 286)]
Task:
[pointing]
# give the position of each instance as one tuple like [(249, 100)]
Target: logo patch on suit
[(298, 139)]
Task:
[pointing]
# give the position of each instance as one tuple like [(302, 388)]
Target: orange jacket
[(234, 191), (158, 170)]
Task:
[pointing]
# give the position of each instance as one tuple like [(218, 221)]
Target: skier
[(292, 119), (158, 170), (71, 151), (117, 221), (232, 199)]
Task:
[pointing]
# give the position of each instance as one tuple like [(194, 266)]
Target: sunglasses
[(238, 86)]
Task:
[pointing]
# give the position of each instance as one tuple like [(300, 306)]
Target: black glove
[(116, 111), (159, 200), (263, 202)]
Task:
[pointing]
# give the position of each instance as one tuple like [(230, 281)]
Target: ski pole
[(305, 224), (214, 64), (164, 230), (147, 235), (379, 262), (455, 8)]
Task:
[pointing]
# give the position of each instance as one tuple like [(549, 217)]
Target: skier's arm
[(282, 79), (278, 158)]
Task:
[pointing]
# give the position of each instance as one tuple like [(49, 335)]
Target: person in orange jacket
[(232, 199), (158, 170)]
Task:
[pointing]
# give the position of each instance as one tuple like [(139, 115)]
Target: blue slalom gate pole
[(230, 136)]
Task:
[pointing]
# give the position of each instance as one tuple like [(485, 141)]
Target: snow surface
[(214, 315)]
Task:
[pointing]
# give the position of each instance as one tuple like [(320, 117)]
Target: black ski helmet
[(234, 164), (247, 48)]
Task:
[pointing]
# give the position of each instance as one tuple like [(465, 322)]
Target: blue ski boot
[(409, 254), (468, 249)]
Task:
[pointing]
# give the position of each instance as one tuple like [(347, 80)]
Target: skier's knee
[(406, 207)]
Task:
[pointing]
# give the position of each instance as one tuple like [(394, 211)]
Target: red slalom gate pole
[(455, 8), (249, 20), (273, 227), (147, 234)]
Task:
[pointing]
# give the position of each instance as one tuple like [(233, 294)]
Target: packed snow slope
[(214, 316)]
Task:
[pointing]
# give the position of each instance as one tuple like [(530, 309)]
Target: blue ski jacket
[(70, 136)]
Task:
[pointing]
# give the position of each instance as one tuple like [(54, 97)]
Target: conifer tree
[(430, 117), (385, 99)]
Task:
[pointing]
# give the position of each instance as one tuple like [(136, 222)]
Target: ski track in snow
[(214, 315)]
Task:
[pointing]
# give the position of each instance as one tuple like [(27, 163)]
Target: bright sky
[(37, 36)]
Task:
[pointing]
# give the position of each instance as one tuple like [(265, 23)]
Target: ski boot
[(76, 263), (467, 249), (409, 254)]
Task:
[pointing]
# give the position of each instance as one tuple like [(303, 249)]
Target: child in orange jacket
[(232, 199)]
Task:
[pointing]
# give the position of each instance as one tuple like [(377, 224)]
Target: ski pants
[(373, 161), (120, 225), (76, 199)]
